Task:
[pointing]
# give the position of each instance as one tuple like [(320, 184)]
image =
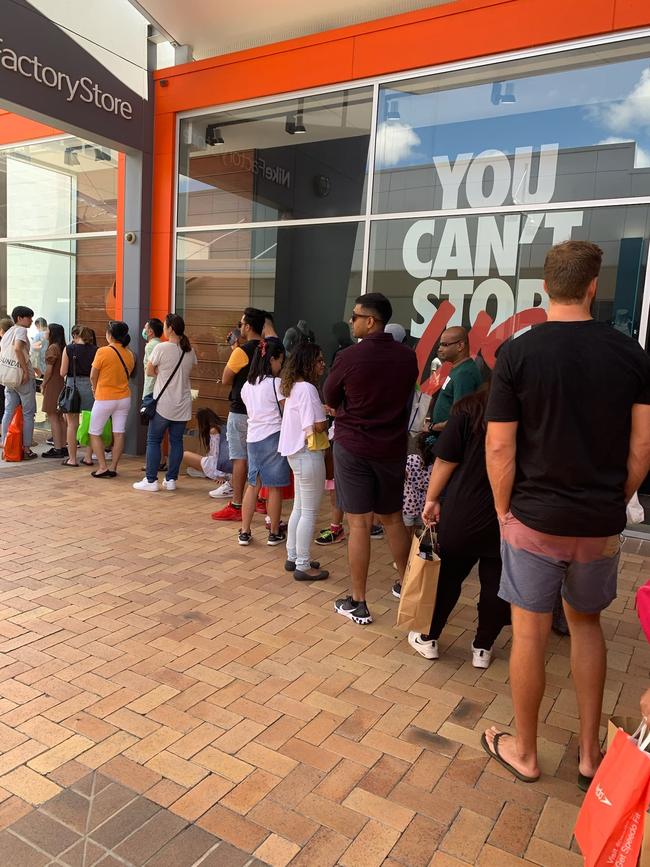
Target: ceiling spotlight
[(503, 91), (70, 158), (300, 126), (392, 112), (213, 135), (294, 124)]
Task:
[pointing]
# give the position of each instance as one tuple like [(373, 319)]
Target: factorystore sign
[(48, 75), (84, 89), (468, 265)]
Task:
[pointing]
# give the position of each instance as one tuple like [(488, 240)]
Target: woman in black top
[(468, 529), (78, 357)]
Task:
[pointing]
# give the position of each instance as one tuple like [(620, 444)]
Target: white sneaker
[(481, 658), (169, 484), (427, 649), (224, 490), (144, 485), (195, 474)]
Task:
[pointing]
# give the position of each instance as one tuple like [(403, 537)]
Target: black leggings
[(493, 613)]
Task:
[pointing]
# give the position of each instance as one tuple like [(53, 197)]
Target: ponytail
[(177, 325)]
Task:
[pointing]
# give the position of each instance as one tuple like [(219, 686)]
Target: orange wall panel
[(14, 128), (503, 26), (629, 14), (312, 66)]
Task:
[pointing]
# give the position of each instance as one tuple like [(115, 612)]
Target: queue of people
[(526, 476)]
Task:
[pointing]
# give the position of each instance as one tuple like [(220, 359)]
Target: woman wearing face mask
[(261, 396), (171, 363)]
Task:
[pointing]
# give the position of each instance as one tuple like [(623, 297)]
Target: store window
[(303, 158), (58, 222), (552, 129), (486, 272), (310, 273)]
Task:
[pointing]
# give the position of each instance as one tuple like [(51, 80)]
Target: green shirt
[(463, 379), (149, 381)]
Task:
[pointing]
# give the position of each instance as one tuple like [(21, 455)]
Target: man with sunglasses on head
[(464, 376), (370, 387)]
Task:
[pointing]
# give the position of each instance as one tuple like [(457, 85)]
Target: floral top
[(415, 486)]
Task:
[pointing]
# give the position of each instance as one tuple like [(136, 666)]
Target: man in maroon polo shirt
[(370, 387)]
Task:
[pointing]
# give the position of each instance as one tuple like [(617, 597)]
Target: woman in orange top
[(109, 380)]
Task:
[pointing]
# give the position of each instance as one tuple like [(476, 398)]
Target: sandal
[(88, 463), (66, 463), (107, 474), (494, 754)]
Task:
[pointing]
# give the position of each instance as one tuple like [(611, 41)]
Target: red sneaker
[(228, 513), (260, 507)]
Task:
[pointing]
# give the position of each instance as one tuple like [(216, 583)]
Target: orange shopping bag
[(610, 824), (13, 447)]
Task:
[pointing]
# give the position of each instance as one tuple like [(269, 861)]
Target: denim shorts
[(265, 461), (236, 430), (85, 391), (536, 566)]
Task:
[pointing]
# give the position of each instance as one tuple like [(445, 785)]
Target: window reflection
[(444, 142), (295, 159)]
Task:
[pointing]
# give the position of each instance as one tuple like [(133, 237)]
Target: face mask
[(144, 333)]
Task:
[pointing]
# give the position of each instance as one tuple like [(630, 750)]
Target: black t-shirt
[(467, 516), (571, 386), (84, 353), (236, 403)]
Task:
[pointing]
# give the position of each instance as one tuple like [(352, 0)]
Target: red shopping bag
[(13, 447), (609, 829), (643, 608)]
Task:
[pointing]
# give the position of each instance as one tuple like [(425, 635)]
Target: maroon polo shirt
[(370, 386)]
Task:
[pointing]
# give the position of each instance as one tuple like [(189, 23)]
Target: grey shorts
[(537, 566), (236, 430)]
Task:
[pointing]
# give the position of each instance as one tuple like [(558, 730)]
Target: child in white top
[(209, 425)]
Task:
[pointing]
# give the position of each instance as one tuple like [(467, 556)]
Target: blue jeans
[(24, 394), (157, 427)]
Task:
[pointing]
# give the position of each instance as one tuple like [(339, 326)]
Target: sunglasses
[(449, 342), (355, 316)]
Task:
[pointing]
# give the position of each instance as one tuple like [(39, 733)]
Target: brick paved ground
[(218, 700)]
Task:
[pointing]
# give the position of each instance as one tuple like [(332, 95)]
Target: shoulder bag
[(69, 400), (149, 402), (11, 373)]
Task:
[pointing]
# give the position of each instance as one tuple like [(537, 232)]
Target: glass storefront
[(58, 226), (443, 191)]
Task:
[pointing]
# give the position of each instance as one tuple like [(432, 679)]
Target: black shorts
[(363, 485)]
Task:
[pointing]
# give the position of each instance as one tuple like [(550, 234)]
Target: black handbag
[(149, 402), (69, 400)]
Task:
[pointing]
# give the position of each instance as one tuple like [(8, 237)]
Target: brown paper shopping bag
[(420, 585), (629, 725)]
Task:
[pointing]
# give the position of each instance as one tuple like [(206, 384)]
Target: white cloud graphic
[(641, 155), (633, 111), (395, 142)]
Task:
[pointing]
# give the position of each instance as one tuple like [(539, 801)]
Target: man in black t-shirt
[(568, 443)]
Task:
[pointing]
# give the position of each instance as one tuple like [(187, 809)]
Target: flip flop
[(494, 754), (583, 780), (66, 463), (107, 474), (88, 463)]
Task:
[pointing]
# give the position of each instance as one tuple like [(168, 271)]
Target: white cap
[(397, 330)]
